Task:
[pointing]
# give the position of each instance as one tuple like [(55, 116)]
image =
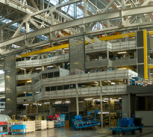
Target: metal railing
[(89, 77), (82, 92), (26, 76), (42, 62)]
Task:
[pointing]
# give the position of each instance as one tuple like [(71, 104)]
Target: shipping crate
[(40, 124), (30, 125), (50, 124)]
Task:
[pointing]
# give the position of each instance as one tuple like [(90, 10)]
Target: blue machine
[(135, 80), (18, 127), (126, 125), (60, 122), (87, 121)]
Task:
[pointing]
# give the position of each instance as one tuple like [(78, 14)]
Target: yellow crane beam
[(120, 36), (45, 50)]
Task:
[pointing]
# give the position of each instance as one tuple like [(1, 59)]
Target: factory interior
[(76, 68)]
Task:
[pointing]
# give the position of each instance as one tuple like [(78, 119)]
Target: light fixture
[(108, 80), (25, 104), (68, 102), (8, 76), (58, 102), (38, 68), (121, 68), (37, 91), (96, 82), (29, 81), (24, 92), (80, 101), (22, 69), (88, 98), (122, 52), (112, 83), (34, 103), (98, 100), (46, 102), (119, 98), (95, 59), (1, 72), (103, 112), (49, 66), (105, 98)]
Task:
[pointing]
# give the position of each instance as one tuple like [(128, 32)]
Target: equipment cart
[(126, 125)]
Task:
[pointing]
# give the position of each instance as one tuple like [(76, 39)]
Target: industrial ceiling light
[(68, 102), (25, 104), (58, 102), (38, 68), (49, 66), (88, 98), (46, 103), (112, 83), (98, 100), (122, 69), (1, 72), (22, 69), (122, 52)]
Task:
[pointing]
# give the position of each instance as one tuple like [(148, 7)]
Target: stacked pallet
[(30, 125), (50, 124), (40, 124)]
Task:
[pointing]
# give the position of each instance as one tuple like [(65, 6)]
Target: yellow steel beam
[(120, 36), (151, 32), (150, 66), (145, 54), (45, 50)]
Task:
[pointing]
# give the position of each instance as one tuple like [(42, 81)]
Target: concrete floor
[(71, 132)]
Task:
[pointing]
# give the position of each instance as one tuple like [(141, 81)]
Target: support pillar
[(109, 113), (129, 104), (75, 11), (123, 4), (37, 108), (10, 83), (50, 108), (43, 68), (27, 27), (1, 34), (42, 5), (77, 100), (101, 110), (85, 7), (101, 105)]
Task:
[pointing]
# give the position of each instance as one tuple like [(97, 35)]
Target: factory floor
[(71, 132)]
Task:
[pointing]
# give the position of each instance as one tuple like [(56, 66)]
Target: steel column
[(101, 105), (77, 100), (129, 104), (109, 113), (145, 54)]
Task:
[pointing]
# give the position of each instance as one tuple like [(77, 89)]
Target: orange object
[(67, 123)]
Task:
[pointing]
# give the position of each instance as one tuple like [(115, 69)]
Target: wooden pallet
[(50, 124), (30, 125), (40, 124)]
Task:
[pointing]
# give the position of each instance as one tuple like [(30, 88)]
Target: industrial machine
[(87, 121), (136, 81), (127, 125), (59, 119)]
